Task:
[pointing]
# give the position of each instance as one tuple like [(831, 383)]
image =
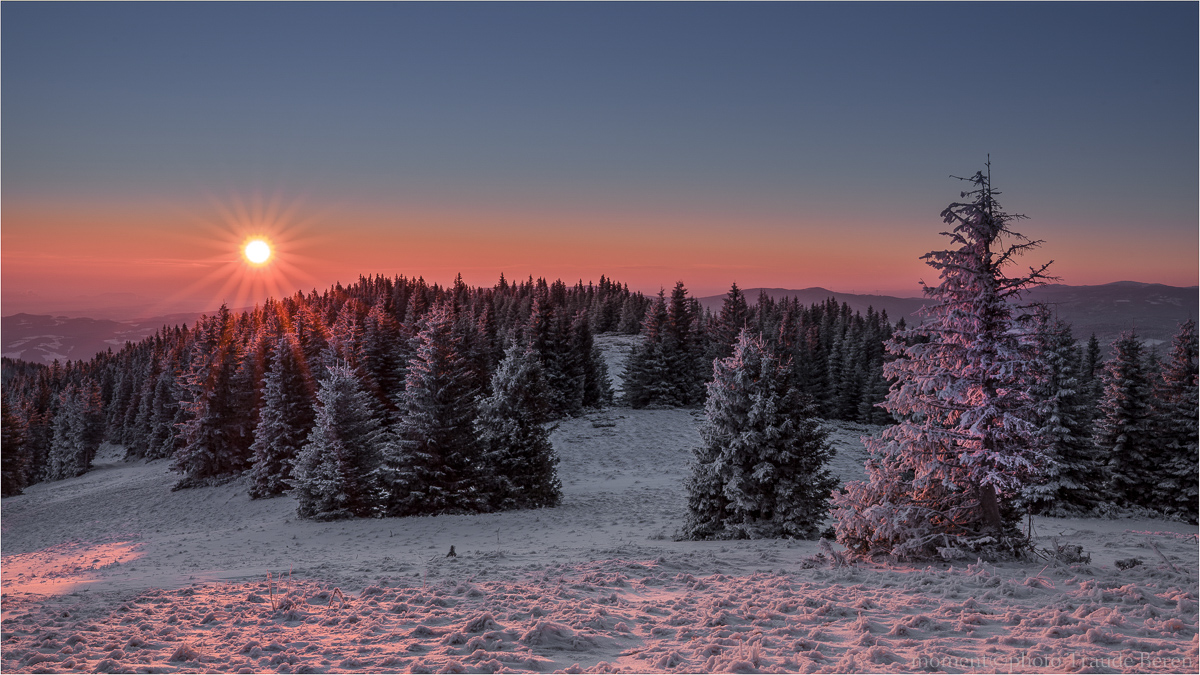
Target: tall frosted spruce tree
[(213, 442), (941, 479), (78, 431), (761, 469), (337, 472)]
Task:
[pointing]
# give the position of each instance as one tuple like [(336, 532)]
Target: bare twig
[(1160, 554)]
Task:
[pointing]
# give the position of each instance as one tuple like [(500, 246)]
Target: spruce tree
[(646, 377), (723, 334), (668, 367), (433, 464), (285, 421), (163, 434), (944, 476), (78, 431), (1068, 472), (61, 461), (1124, 432), (336, 474), (1176, 412), (549, 334), (14, 455), (597, 388), (518, 458), (1091, 376), (683, 346), (761, 470), (213, 441)]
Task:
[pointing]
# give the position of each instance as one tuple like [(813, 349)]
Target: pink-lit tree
[(939, 481)]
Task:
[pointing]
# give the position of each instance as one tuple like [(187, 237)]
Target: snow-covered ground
[(113, 572)]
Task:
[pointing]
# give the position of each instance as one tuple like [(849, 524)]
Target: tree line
[(353, 398)]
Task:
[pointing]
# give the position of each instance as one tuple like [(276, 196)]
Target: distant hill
[(41, 338), (1153, 310)]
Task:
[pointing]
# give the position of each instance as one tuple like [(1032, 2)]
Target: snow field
[(113, 572), (657, 615)]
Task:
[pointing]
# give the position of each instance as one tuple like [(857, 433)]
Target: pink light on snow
[(63, 568)]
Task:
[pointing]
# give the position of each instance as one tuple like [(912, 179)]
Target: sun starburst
[(254, 249)]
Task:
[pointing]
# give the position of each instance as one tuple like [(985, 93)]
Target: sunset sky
[(779, 145)]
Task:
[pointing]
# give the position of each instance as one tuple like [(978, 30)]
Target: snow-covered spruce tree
[(518, 458), (383, 356), (61, 462), (597, 388), (336, 474), (1124, 432), (213, 444), (723, 333), (1091, 376), (1068, 472), (78, 431), (646, 377), (433, 463), (549, 334), (14, 456), (1177, 419), (285, 420), (942, 477), (684, 347), (668, 368), (163, 438), (761, 470)]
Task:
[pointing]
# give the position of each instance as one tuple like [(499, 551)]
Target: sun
[(257, 251)]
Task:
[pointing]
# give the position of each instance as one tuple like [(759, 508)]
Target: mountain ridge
[(1152, 311)]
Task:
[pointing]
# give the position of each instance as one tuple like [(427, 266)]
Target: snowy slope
[(112, 571)]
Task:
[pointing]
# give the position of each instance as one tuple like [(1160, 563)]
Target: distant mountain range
[(42, 338), (1154, 310)]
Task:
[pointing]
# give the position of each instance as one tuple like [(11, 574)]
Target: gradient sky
[(781, 145)]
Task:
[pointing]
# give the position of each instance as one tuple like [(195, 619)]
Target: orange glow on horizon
[(174, 258)]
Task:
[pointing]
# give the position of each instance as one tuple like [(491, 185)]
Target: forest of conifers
[(238, 392)]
